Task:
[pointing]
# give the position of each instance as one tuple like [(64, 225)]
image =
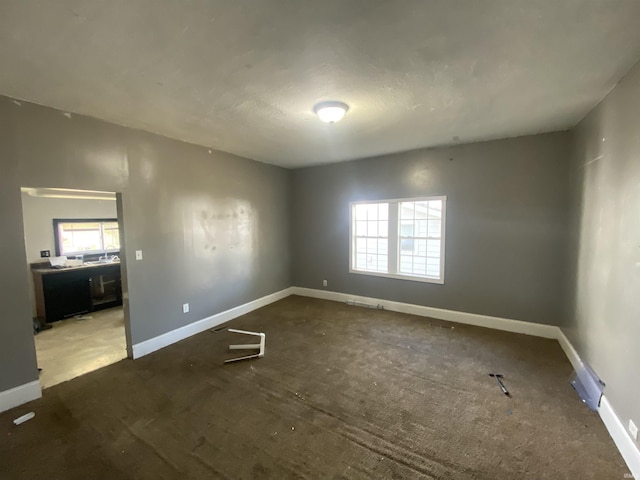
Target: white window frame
[(394, 240)]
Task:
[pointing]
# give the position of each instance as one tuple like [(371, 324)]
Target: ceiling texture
[(243, 76)]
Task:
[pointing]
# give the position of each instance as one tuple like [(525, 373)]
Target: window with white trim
[(399, 238)]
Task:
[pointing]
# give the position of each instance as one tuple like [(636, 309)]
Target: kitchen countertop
[(48, 270)]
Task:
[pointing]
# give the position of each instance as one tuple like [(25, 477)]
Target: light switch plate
[(138, 254), (185, 308)]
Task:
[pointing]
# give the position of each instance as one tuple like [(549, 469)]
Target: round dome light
[(331, 112)]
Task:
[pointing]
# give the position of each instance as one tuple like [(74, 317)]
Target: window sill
[(411, 278)]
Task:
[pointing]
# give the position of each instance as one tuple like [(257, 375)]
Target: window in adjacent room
[(95, 236), (399, 238)]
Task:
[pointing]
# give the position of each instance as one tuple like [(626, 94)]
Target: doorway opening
[(73, 240)]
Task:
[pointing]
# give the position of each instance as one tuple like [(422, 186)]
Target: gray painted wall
[(17, 352), (213, 227), (39, 212), (506, 233), (603, 320)]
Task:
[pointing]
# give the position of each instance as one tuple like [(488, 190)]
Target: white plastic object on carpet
[(249, 346), (24, 418)]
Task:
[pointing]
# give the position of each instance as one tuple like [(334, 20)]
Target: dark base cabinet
[(67, 292)]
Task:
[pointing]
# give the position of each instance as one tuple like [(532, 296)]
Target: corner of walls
[(290, 230)]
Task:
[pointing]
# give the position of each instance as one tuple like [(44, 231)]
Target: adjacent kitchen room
[(72, 242)]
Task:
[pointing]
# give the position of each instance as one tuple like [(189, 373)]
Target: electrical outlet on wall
[(185, 308), (633, 430), (45, 253), (324, 283), (138, 254)]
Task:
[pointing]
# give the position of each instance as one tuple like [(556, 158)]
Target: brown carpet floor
[(342, 393)]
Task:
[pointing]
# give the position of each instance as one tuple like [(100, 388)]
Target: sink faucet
[(106, 254)]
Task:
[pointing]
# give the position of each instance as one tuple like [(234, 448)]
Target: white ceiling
[(243, 76)]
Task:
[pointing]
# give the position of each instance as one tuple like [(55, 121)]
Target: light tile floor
[(74, 346)]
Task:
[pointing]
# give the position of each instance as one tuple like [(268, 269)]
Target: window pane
[(433, 248), (421, 228), (435, 209), (406, 245), (87, 237), (433, 267), (406, 263), (406, 210), (80, 226), (421, 210), (419, 221), (419, 264), (360, 212), (406, 228), (79, 237), (434, 228), (111, 235), (372, 229), (372, 211), (370, 241)]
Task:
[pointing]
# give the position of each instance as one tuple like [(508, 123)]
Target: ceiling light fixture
[(331, 112)]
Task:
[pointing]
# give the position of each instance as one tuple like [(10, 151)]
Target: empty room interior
[(342, 239)]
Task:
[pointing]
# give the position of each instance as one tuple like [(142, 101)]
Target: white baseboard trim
[(166, 339), (627, 447), (487, 321), (21, 394), (569, 351)]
